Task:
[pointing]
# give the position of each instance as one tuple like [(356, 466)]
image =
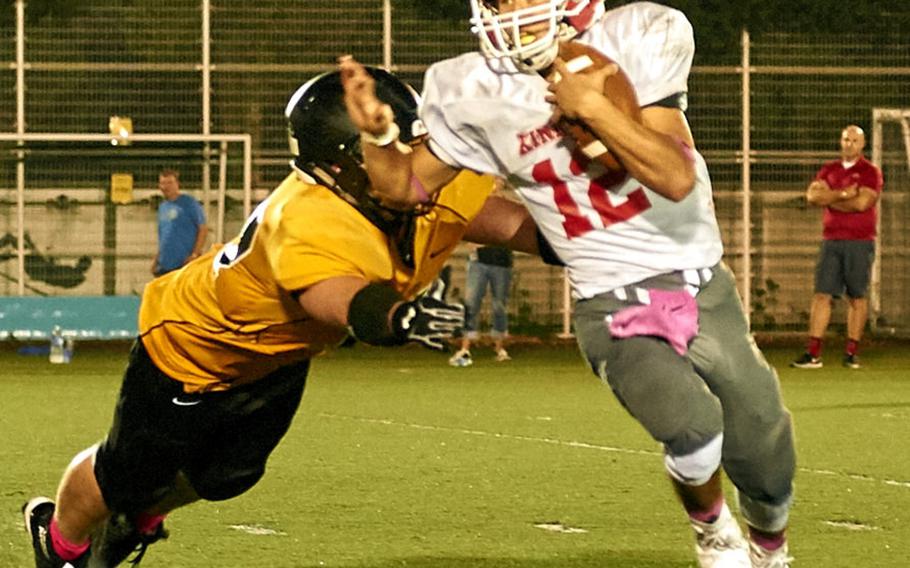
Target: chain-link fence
[(228, 66)]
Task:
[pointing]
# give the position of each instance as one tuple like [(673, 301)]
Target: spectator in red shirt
[(848, 189)]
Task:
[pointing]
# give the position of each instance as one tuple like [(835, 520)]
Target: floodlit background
[(228, 66)]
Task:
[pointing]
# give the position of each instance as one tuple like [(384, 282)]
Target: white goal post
[(215, 150), (881, 117)]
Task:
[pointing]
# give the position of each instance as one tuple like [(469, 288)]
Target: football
[(581, 58)]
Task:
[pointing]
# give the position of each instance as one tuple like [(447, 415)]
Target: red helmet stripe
[(585, 17)]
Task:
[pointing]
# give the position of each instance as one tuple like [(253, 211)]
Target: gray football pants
[(667, 392)]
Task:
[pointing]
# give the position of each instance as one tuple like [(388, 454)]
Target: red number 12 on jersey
[(576, 224)]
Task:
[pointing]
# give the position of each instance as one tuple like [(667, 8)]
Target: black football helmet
[(326, 144)]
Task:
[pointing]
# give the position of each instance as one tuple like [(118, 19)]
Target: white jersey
[(487, 117)]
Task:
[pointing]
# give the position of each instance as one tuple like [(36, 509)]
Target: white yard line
[(588, 446)]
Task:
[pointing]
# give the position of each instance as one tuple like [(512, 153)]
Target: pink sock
[(146, 523), (710, 515), (767, 541), (65, 549)]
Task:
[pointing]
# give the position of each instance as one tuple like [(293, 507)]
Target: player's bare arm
[(376, 314), (504, 222), (401, 176), (328, 301), (655, 152)]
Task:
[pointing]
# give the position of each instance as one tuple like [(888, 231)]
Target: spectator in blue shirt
[(181, 226)]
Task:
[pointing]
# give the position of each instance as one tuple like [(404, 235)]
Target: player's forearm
[(660, 161), (506, 223)]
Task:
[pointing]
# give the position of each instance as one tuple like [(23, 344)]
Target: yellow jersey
[(231, 316)]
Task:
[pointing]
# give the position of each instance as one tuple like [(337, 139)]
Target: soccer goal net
[(890, 289), (78, 212)]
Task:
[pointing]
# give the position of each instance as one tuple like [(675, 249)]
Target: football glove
[(429, 319)]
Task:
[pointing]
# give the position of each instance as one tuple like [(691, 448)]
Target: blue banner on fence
[(79, 317)]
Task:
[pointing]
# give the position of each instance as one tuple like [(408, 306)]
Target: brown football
[(581, 58)]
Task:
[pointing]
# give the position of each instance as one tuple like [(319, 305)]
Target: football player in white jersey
[(657, 314)]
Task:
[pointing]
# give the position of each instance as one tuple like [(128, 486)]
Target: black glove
[(429, 319)]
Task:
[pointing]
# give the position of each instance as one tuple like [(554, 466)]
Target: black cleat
[(117, 539), (807, 361), (38, 514)]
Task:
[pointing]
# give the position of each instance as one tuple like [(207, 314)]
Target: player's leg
[(247, 424), (247, 420), (659, 387), (500, 282), (138, 465), (80, 506), (758, 451), (129, 470), (60, 531), (858, 259)]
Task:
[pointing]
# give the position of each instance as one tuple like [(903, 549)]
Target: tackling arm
[(401, 176), (328, 301), (378, 315), (504, 222)]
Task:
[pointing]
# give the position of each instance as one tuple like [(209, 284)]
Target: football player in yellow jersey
[(225, 342)]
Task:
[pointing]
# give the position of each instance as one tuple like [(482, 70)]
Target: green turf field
[(396, 459)]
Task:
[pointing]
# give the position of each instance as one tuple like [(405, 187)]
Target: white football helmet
[(501, 35)]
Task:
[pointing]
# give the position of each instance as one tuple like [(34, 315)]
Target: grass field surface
[(396, 459)]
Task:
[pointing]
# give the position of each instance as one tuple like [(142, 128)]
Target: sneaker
[(852, 362), (721, 544), (764, 558), (37, 514), (117, 539), (461, 359), (807, 361), (502, 355)]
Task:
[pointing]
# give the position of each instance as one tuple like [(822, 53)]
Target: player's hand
[(429, 319), (570, 92), (367, 112)]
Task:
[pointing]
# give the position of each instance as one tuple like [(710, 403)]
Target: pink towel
[(671, 315)]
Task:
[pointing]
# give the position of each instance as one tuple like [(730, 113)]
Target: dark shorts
[(844, 266), (219, 441)]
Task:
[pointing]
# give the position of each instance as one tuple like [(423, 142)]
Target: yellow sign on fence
[(122, 188)]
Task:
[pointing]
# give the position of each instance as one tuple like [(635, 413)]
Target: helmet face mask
[(326, 144), (501, 33)]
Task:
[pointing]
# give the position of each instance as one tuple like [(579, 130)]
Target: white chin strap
[(501, 35)]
